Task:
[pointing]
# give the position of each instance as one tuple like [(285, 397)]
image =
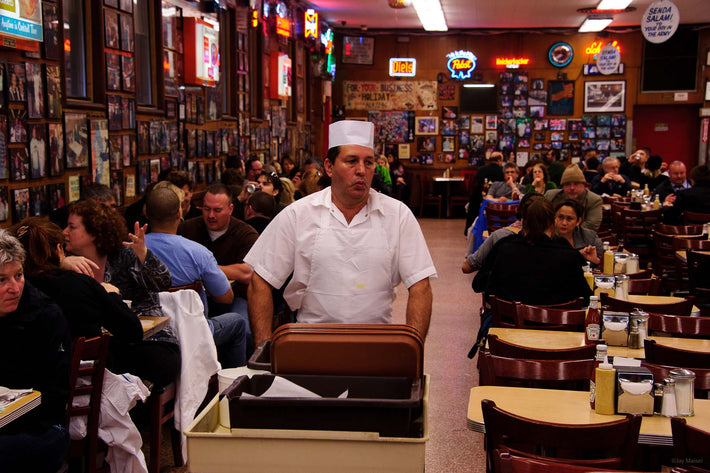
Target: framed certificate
[(358, 50)]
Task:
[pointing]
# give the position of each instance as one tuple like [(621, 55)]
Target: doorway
[(671, 131)]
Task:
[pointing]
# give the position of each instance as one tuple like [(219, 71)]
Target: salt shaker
[(632, 264), (669, 407), (634, 338), (684, 391)]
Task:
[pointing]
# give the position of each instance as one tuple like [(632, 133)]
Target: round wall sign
[(608, 59), (660, 21), (560, 54)]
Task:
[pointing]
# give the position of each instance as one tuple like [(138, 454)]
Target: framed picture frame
[(561, 96), (50, 19), (448, 144), (111, 29), (426, 125), (35, 90), (707, 90), (362, 50), (604, 96)]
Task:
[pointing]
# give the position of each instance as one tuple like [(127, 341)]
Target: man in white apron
[(347, 246)]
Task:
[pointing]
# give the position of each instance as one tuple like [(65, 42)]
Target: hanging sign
[(311, 21), (461, 64), (660, 21), (21, 19), (283, 27), (608, 60), (403, 67)]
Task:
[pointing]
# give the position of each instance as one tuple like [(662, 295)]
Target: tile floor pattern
[(452, 447)]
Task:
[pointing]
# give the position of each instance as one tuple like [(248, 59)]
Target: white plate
[(4, 391)]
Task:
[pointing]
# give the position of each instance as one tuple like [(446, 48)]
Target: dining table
[(682, 255), (152, 325), (447, 189), (572, 407), (553, 339)]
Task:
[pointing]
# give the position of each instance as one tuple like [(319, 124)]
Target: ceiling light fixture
[(592, 24), (430, 15), (613, 4), (478, 86), (396, 4)]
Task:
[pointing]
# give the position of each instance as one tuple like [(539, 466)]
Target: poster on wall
[(358, 50), (391, 127), (604, 96), (561, 94), (390, 95)]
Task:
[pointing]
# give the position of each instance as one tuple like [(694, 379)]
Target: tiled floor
[(452, 447)]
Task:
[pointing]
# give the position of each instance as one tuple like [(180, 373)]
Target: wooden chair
[(607, 445), (683, 307), (460, 198), (427, 196), (577, 303), (695, 218), (686, 244), (195, 286), (507, 462), (679, 326), (87, 379), (701, 383), (645, 274), (637, 232), (680, 229), (665, 264), (502, 312), (161, 406), (500, 215), (499, 347), (699, 276), (668, 356), (545, 318), (690, 444), (549, 374), (646, 287), (616, 218)]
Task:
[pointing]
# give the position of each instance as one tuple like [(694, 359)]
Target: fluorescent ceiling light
[(430, 15), (478, 86), (594, 24), (613, 4)]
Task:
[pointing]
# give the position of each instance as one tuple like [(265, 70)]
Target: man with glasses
[(229, 239), (254, 167), (503, 191)]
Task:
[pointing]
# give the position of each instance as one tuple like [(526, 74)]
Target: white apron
[(351, 273)]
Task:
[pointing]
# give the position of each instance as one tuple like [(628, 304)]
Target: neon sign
[(326, 40), (283, 27), (512, 62), (461, 64), (311, 20), (596, 47), (403, 67), (254, 18)]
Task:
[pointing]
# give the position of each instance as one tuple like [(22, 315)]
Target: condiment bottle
[(619, 289), (669, 407), (589, 276), (608, 266), (592, 321), (656, 203), (684, 390), (598, 359), (634, 338), (657, 398), (632, 264), (605, 392), (645, 190)]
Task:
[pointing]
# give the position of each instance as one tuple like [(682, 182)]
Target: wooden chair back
[(664, 260), (701, 383), (690, 444), (695, 218), (548, 374), (646, 287), (506, 462), (607, 445), (686, 244), (699, 275), (683, 307), (427, 196), (659, 354), (679, 326), (502, 312), (499, 347), (545, 318), (87, 379), (680, 229), (500, 215), (637, 231), (577, 303), (195, 286)]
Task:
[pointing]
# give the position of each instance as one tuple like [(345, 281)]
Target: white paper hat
[(352, 132)]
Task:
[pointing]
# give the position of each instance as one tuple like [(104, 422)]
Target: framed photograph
[(491, 122), (111, 29), (20, 204), (54, 91), (362, 50), (38, 150), (128, 74), (18, 125), (448, 143), (16, 82), (113, 71), (604, 96), (707, 90), (427, 125), (50, 19), (4, 204), (449, 112), (449, 127), (126, 5), (476, 125), (39, 202), (56, 149), (540, 136), (561, 96), (426, 144), (126, 24), (3, 147), (111, 3), (76, 134), (115, 149), (35, 90), (19, 164), (100, 152), (115, 119)]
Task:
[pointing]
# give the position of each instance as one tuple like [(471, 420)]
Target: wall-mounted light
[(592, 24), (479, 86)]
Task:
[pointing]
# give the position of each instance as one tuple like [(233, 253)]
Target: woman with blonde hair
[(309, 183), (287, 192)]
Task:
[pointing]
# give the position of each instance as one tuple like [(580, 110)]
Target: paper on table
[(623, 361), (284, 388), (636, 388)]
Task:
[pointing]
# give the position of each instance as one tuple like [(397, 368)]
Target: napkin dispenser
[(634, 390), (615, 328)]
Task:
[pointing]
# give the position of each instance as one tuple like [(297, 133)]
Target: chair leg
[(155, 433), (176, 439)]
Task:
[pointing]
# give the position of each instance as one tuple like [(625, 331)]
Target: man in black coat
[(695, 199)]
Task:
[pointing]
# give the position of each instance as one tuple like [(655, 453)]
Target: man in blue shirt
[(189, 262)]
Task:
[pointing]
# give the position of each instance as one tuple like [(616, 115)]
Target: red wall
[(671, 131)]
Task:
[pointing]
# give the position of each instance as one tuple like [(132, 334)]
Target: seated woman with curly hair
[(95, 236)]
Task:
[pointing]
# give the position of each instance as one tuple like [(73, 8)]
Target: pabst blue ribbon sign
[(461, 64)]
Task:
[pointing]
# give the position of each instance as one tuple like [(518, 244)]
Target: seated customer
[(502, 191), (95, 236), (189, 262), (540, 182), (34, 354), (695, 199), (258, 211), (568, 217), (532, 267), (610, 182), (574, 186)]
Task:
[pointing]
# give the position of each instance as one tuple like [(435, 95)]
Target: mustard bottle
[(605, 390), (608, 266), (589, 276)]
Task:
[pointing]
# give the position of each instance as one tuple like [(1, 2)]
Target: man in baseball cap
[(574, 187)]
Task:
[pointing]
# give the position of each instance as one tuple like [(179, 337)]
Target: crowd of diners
[(90, 267)]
